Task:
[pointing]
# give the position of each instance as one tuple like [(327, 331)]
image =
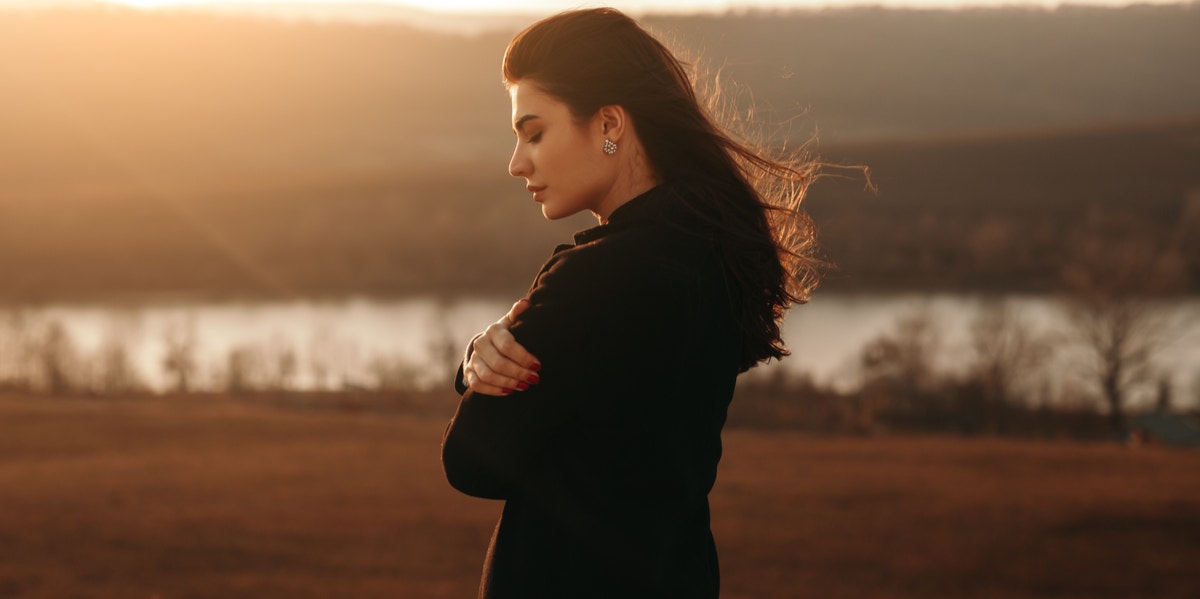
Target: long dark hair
[(598, 57)]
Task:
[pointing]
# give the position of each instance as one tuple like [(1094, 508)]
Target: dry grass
[(182, 497)]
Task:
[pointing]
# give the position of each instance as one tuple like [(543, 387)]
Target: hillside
[(990, 213), (178, 154), (87, 93)]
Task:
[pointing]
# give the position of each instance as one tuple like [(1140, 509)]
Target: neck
[(638, 179)]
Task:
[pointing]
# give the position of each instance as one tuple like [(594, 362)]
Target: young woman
[(594, 408)]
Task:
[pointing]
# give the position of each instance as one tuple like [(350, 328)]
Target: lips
[(535, 189)]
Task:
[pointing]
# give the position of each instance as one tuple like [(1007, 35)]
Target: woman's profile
[(594, 408)]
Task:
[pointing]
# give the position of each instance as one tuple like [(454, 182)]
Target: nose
[(519, 165)]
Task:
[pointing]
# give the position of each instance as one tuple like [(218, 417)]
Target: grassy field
[(215, 497)]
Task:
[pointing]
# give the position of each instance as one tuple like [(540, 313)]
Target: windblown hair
[(598, 57)]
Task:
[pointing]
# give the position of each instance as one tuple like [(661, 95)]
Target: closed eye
[(535, 138)]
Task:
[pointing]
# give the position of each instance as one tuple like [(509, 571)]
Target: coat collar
[(643, 207)]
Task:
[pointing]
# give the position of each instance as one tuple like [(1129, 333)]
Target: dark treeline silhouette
[(1007, 212), (1081, 377), (985, 214), (1077, 381)]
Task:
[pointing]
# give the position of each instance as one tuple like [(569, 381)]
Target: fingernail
[(533, 379), (506, 390), (536, 367), (522, 386)]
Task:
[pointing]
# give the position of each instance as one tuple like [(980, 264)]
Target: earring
[(610, 147)]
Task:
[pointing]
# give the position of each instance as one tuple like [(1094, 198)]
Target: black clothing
[(606, 464)]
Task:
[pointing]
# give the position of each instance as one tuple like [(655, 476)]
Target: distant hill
[(870, 73), (966, 213), (219, 98), (1006, 211), (147, 153)]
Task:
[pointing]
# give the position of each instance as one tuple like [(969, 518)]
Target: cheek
[(579, 160)]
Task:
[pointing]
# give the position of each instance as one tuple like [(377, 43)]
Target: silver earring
[(610, 147)]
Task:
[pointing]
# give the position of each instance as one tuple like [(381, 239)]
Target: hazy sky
[(535, 6)]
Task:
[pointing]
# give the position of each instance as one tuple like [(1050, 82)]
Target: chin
[(552, 213)]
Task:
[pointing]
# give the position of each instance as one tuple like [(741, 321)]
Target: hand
[(496, 364)]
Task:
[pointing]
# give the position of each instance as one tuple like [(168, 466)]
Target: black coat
[(606, 464)]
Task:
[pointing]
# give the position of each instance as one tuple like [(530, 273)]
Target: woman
[(594, 408)]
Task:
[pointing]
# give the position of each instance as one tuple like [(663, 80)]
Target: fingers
[(476, 384), (498, 364), (515, 353), (507, 344), (489, 370), (516, 310), (495, 370), (482, 379)]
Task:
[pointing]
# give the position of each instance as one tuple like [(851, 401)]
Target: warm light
[(528, 6), (631, 6)]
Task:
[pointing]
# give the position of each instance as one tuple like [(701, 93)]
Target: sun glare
[(632, 6), (465, 5)]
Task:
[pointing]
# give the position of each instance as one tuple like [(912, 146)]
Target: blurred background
[(243, 245)]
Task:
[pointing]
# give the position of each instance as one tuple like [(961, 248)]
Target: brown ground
[(211, 497)]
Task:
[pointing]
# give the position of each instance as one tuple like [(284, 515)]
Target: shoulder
[(645, 255)]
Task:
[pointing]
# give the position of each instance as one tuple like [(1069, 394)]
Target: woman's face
[(561, 159)]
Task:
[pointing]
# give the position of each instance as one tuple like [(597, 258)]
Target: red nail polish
[(533, 379), (536, 367), (522, 386), (506, 390)]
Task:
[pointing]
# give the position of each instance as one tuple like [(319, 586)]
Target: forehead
[(528, 99)]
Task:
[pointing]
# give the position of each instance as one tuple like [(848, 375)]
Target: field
[(219, 497)]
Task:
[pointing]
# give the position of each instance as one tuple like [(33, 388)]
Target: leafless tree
[(907, 354), (55, 355), (117, 373), (179, 357), (15, 355), (1116, 271), (1007, 354), (393, 373), (246, 369), (1006, 359)]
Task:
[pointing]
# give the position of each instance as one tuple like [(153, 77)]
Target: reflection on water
[(363, 343)]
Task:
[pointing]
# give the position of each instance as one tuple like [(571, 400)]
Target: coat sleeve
[(591, 313)]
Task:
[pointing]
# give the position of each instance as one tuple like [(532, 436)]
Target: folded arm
[(586, 319)]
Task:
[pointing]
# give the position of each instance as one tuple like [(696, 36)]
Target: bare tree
[(15, 355), (1006, 358), (900, 376), (393, 373), (1116, 269), (906, 356), (1006, 353), (179, 357), (55, 354), (117, 372)]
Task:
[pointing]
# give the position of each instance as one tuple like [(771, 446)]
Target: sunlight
[(481, 5), (631, 6), (534, 6)]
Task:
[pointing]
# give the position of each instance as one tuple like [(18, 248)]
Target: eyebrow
[(521, 122)]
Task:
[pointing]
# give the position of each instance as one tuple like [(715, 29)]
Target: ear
[(612, 121)]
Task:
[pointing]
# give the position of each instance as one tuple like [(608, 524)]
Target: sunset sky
[(534, 6)]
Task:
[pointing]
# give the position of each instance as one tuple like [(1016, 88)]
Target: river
[(360, 342)]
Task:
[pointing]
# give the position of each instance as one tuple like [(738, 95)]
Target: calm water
[(358, 342)]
